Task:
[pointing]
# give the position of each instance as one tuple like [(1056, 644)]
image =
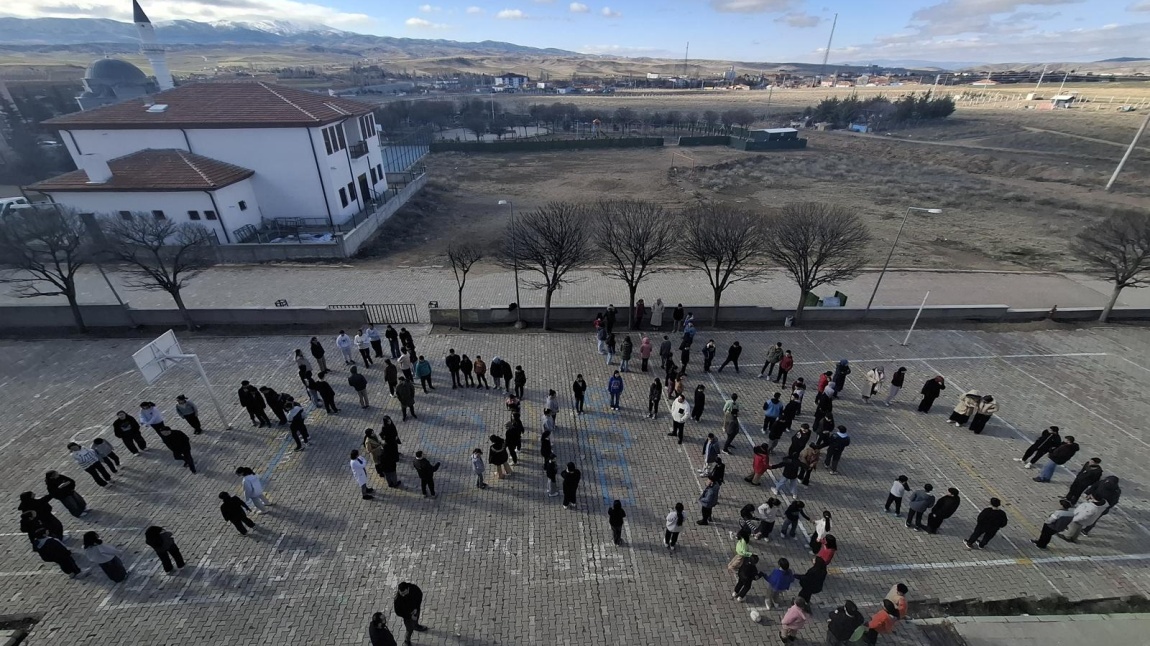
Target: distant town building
[(225, 155), (511, 80)]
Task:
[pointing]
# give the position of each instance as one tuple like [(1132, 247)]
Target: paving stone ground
[(509, 565)]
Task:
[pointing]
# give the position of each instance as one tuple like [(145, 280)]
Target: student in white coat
[(657, 314), (363, 344), (344, 343), (359, 470), (253, 489)]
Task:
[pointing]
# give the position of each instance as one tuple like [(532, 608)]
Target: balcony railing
[(357, 150)]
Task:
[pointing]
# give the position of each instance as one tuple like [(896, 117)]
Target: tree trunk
[(187, 316), (1110, 305), (715, 308), (547, 308), (631, 289), (459, 312), (76, 314), (800, 307)]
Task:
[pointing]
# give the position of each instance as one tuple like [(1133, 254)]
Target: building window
[(351, 190), (379, 171), (159, 215), (343, 196), (125, 215), (193, 215), (243, 205), (367, 125), (373, 175), (333, 139), (210, 215)]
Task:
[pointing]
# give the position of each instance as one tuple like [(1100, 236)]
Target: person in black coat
[(843, 622), (513, 437), (406, 341), (791, 411), (127, 429), (62, 488), (1090, 473), (453, 362), (52, 550), (390, 460), (571, 477), (811, 581), (408, 607), (989, 521), (162, 542), (699, 403), (1049, 439), (733, 354), (253, 402), (180, 446), (426, 472), (378, 632), (392, 341), (840, 440), (43, 508), (943, 508), (318, 352), (930, 392), (273, 400), (799, 441), (235, 511), (326, 392)]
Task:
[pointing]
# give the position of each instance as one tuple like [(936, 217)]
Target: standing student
[(43, 510), (896, 381), (709, 351), (609, 318), (151, 416), (989, 521), (772, 409), (843, 623), (840, 440), (520, 379), (874, 378), (375, 340), (707, 501), (423, 371), (760, 463), (359, 383), (746, 575), (391, 376), (363, 344), (106, 556), (405, 393), (881, 623), (731, 420), (253, 489), (127, 429), (378, 633), (53, 550), (615, 516), (466, 367), (181, 447), (253, 402), (615, 389), (930, 392), (326, 392), (943, 508), (733, 354), (965, 407), (790, 477), (1090, 473), (600, 335), (699, 402), (780, 580), (497, 456), (390, 457), (404, 362), (842, 371), (665, 352), (108, 454), (426, 472), (768, 514), (408, 606), (579, 390), (453, 362), (406, 341), (317, 351), (1056, 522), (684, 355), (710, 454), (680, 410), (657, 314), (654, 396), (637, 320), (610, 348), (296, 418), (344, 343), (392, 337), (162, 542), (62, 488), (795, 619), (373, 450), (786, 363), (742, 549), (677, 318), (478, 468), (1085, 515), (791, 517), (550, 472), (809, 460), (898, 490), (986, 409), (625, 354), (275, 403), (89, 461), (645, 352), (545, 445), (358, 467), (186, 408), (1057, 457), (513, 437), (920, 501), (673, 525), (235, 511), (774, 355), (1040, 447), (799, 441), (818, 537), (571, 478), (811, 581)]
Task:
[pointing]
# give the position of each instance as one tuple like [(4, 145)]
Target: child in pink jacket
[(797, 616)]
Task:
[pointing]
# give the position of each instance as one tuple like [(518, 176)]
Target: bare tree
[(462, 255), (159, 255), (550, 241), (726, 243), (634, 237), (45, 248), (817, 244), (1117, 249)]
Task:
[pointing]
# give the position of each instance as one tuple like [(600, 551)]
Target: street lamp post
[(514, 260), (891, 254)]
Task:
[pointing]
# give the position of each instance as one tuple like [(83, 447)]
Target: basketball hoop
[(164, 354)]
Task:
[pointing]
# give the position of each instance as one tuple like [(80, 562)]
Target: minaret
[(150, 48)]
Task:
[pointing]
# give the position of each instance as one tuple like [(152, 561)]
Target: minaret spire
[(150, 48)]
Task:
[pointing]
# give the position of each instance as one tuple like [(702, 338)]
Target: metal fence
[(402, 313)]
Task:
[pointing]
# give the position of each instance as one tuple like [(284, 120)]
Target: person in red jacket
[(785, 365), (760, 464)]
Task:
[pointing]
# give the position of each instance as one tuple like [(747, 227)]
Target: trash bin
[(789, 321)]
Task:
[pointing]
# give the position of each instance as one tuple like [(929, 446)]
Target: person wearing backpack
[(843, 623)]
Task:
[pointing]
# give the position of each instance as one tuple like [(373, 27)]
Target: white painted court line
[(1136, 365), (1026, 562), (964, 358)]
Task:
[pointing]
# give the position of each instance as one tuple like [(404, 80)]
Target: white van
[(12, 203)]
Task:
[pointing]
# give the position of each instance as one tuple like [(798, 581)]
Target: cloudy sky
[(749, 30)]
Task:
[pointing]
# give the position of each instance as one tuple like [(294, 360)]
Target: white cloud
[(579, 7), (800, 20), (511, 14), (753, 6), (420, 23), (426, 8), (474, 10), (952, 17), (543, 1), (203, 11), (609, 13)]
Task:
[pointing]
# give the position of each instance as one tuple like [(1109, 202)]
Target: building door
[(365, 189)]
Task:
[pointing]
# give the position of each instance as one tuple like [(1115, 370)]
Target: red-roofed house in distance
[(234, 156)]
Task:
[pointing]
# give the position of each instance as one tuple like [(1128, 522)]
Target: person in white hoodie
[(344, 343), (253, 489), (680, 411), (363, 344), (1085, 514), (359, 471), (874, 378), (675, 520)]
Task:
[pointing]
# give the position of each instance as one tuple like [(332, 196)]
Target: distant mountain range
[(31, 33)]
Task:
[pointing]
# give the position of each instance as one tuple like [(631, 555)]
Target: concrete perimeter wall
[(354, 239), (112, 316)]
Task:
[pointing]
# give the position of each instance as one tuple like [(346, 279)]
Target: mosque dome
[(113, 71)]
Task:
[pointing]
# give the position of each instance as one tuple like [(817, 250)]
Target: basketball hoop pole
[(207, 384)]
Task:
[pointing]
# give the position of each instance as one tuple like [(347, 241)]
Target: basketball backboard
[(152, 359)]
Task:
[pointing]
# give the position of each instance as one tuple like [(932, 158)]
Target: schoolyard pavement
[(508, 565)]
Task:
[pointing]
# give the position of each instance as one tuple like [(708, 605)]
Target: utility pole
[(1040, 77), (827, 53), (686, 57), (1137, 136), (1064, 77)]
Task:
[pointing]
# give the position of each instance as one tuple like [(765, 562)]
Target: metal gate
[(402, 313)]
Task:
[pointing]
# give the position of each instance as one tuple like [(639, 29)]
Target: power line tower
[(827, 52)]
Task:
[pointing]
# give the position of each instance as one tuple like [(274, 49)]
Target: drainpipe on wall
[(220, 216), (319, 174)]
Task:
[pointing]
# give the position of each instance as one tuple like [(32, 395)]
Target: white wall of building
[(111, 144), (232, 216)]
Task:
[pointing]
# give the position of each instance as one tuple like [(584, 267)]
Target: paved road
[(508, 565), (320, 286)]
